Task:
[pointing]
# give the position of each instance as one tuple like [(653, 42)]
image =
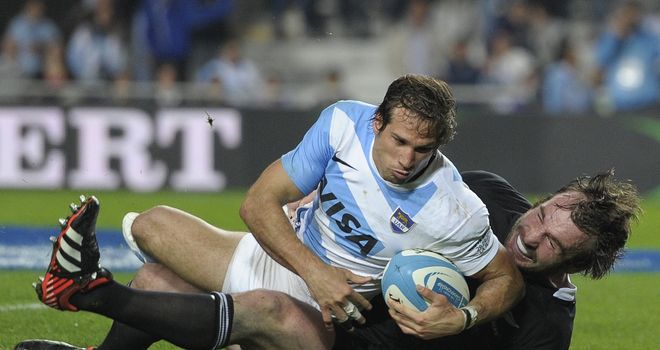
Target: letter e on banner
[(26, 161)]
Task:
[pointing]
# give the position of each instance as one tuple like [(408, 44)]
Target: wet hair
[(425, 98), (605, 213)]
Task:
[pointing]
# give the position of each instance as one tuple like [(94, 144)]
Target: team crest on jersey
[(400, 222)]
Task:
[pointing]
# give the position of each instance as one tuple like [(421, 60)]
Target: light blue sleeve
[(306, 163)]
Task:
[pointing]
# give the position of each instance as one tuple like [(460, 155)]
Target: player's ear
[(377, 123)]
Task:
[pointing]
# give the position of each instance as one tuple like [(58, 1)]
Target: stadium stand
[(295, 47)]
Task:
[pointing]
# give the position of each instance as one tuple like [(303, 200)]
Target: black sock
[(191, 321), (122, 337)]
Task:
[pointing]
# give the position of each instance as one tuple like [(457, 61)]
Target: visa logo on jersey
[(400, 222)]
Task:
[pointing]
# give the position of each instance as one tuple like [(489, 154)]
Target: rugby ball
[(411, 267)]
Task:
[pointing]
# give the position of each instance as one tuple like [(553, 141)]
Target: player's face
[(545, 236), (401, 147)]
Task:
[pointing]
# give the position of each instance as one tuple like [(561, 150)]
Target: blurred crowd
[(604, 59), (568, 57)]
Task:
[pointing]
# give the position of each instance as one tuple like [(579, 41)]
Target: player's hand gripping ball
[(411, 267)]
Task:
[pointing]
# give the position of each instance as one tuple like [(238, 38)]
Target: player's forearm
[(271, 228), (501, 288), (495, 297), (263, 214)]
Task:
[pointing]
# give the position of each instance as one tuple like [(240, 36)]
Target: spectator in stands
[(546, 32), (10, 66), (412, 45), (55, 73), (96, 50), (167, 92), (355, 18), (123, 90), (238, 75), (166, 26), (564, 90), (628, 57), (651, 20), (274, 93), (460, 70), (332, 88), (315, 21), (33, 34), (512, 68), (515, 21), (458, 20)]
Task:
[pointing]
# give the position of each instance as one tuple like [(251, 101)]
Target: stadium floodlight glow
[(630, 74)]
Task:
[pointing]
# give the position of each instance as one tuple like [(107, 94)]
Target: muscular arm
[(501, 287), (263, 214)]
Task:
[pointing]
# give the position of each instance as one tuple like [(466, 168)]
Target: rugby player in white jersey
[(384, 187)]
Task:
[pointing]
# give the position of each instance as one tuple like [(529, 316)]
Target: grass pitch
[(620, 312), (609, 315), (22, 317)]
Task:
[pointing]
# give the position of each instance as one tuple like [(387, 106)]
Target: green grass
[(79, 328), (645, 233), (44, 207), (620, 312)]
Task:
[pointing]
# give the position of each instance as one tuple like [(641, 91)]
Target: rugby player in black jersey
[(582, 228)]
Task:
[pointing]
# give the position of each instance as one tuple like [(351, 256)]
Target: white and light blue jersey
[(358, 221)]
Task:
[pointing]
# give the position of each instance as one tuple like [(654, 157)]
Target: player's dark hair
[(423, 97), (605, 214)]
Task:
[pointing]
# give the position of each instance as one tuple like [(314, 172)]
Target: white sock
[(126, 225)]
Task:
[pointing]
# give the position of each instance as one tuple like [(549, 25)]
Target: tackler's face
[(402, 146), (545, 236)]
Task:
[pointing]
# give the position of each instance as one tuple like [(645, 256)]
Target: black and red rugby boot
[(74, 264)]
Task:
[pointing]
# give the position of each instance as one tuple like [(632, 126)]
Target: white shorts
[(252, 268)]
